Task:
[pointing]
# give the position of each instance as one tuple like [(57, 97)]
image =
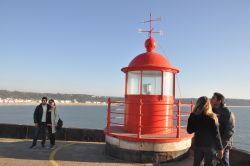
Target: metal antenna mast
[(151, 29)]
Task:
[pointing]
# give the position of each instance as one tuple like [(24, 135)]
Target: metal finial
[(150, 31)]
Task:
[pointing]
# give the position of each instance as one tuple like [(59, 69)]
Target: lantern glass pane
[(151, 82), (168, 81), (134, 79)]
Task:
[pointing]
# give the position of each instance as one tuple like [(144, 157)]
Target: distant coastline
[(58, 104), (33, 98), (86, 104), (244, 106)]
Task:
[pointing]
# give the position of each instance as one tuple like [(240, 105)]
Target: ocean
[(94, 117)]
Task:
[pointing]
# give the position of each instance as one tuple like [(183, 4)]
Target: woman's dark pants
[(203, 152), (51, 136)]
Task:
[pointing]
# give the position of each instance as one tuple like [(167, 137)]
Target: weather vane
[(151, 29)]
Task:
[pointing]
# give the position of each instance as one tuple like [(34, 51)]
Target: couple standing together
[(45, 117), (213, 125)]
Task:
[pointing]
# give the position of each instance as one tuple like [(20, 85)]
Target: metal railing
[(118, 113)]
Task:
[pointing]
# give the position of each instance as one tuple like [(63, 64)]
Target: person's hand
[(220, 154), (36, 124)]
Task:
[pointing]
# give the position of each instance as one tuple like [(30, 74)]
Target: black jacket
[(38, 114), (227, 126), (206, 131)]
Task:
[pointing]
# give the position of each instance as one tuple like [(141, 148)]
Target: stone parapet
[(66, 134)]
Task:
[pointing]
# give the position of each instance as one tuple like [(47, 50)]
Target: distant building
[(88, 102)]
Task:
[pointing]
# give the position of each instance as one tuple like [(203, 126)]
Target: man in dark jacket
[(227, 125), (40, 117)]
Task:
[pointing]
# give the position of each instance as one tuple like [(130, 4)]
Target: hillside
[(82, 98), (229, 101)]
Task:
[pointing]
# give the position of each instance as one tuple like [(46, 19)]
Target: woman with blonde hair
[(207, 141)]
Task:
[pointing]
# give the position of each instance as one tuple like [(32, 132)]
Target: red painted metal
[(178, 119), (154, 113), (109, 115), (176, 133), (140, 118), (150, 44), (150, 61), (126, 80), (138, 68)]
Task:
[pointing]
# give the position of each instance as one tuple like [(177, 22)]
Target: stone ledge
[(66, 134), (149, 146), (145, 156)]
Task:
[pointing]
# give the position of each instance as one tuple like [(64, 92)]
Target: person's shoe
[(48, 147), (52, 147), (32, 146)]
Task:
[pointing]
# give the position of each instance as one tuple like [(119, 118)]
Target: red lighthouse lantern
[(150, 79), (152, 128)]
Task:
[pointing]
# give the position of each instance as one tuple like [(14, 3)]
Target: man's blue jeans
[(40, 129), (204, 152)]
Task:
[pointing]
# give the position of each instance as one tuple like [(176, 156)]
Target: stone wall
[(239, 157), (66, 134)]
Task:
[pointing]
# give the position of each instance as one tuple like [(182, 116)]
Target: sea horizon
[(88, 104)]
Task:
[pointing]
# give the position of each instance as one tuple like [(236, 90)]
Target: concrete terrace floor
[(16, 152)]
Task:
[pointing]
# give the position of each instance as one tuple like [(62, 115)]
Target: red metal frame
[(141, 75), (109, 114), (128, 69), (179, 115), (140, 115), (126, 84)]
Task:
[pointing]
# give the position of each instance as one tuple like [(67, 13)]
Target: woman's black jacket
[(206, 131)]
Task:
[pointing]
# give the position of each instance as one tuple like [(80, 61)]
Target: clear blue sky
[(79, 46)]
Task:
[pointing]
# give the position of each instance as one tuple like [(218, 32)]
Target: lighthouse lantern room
[(150, 79), (148, 125)]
